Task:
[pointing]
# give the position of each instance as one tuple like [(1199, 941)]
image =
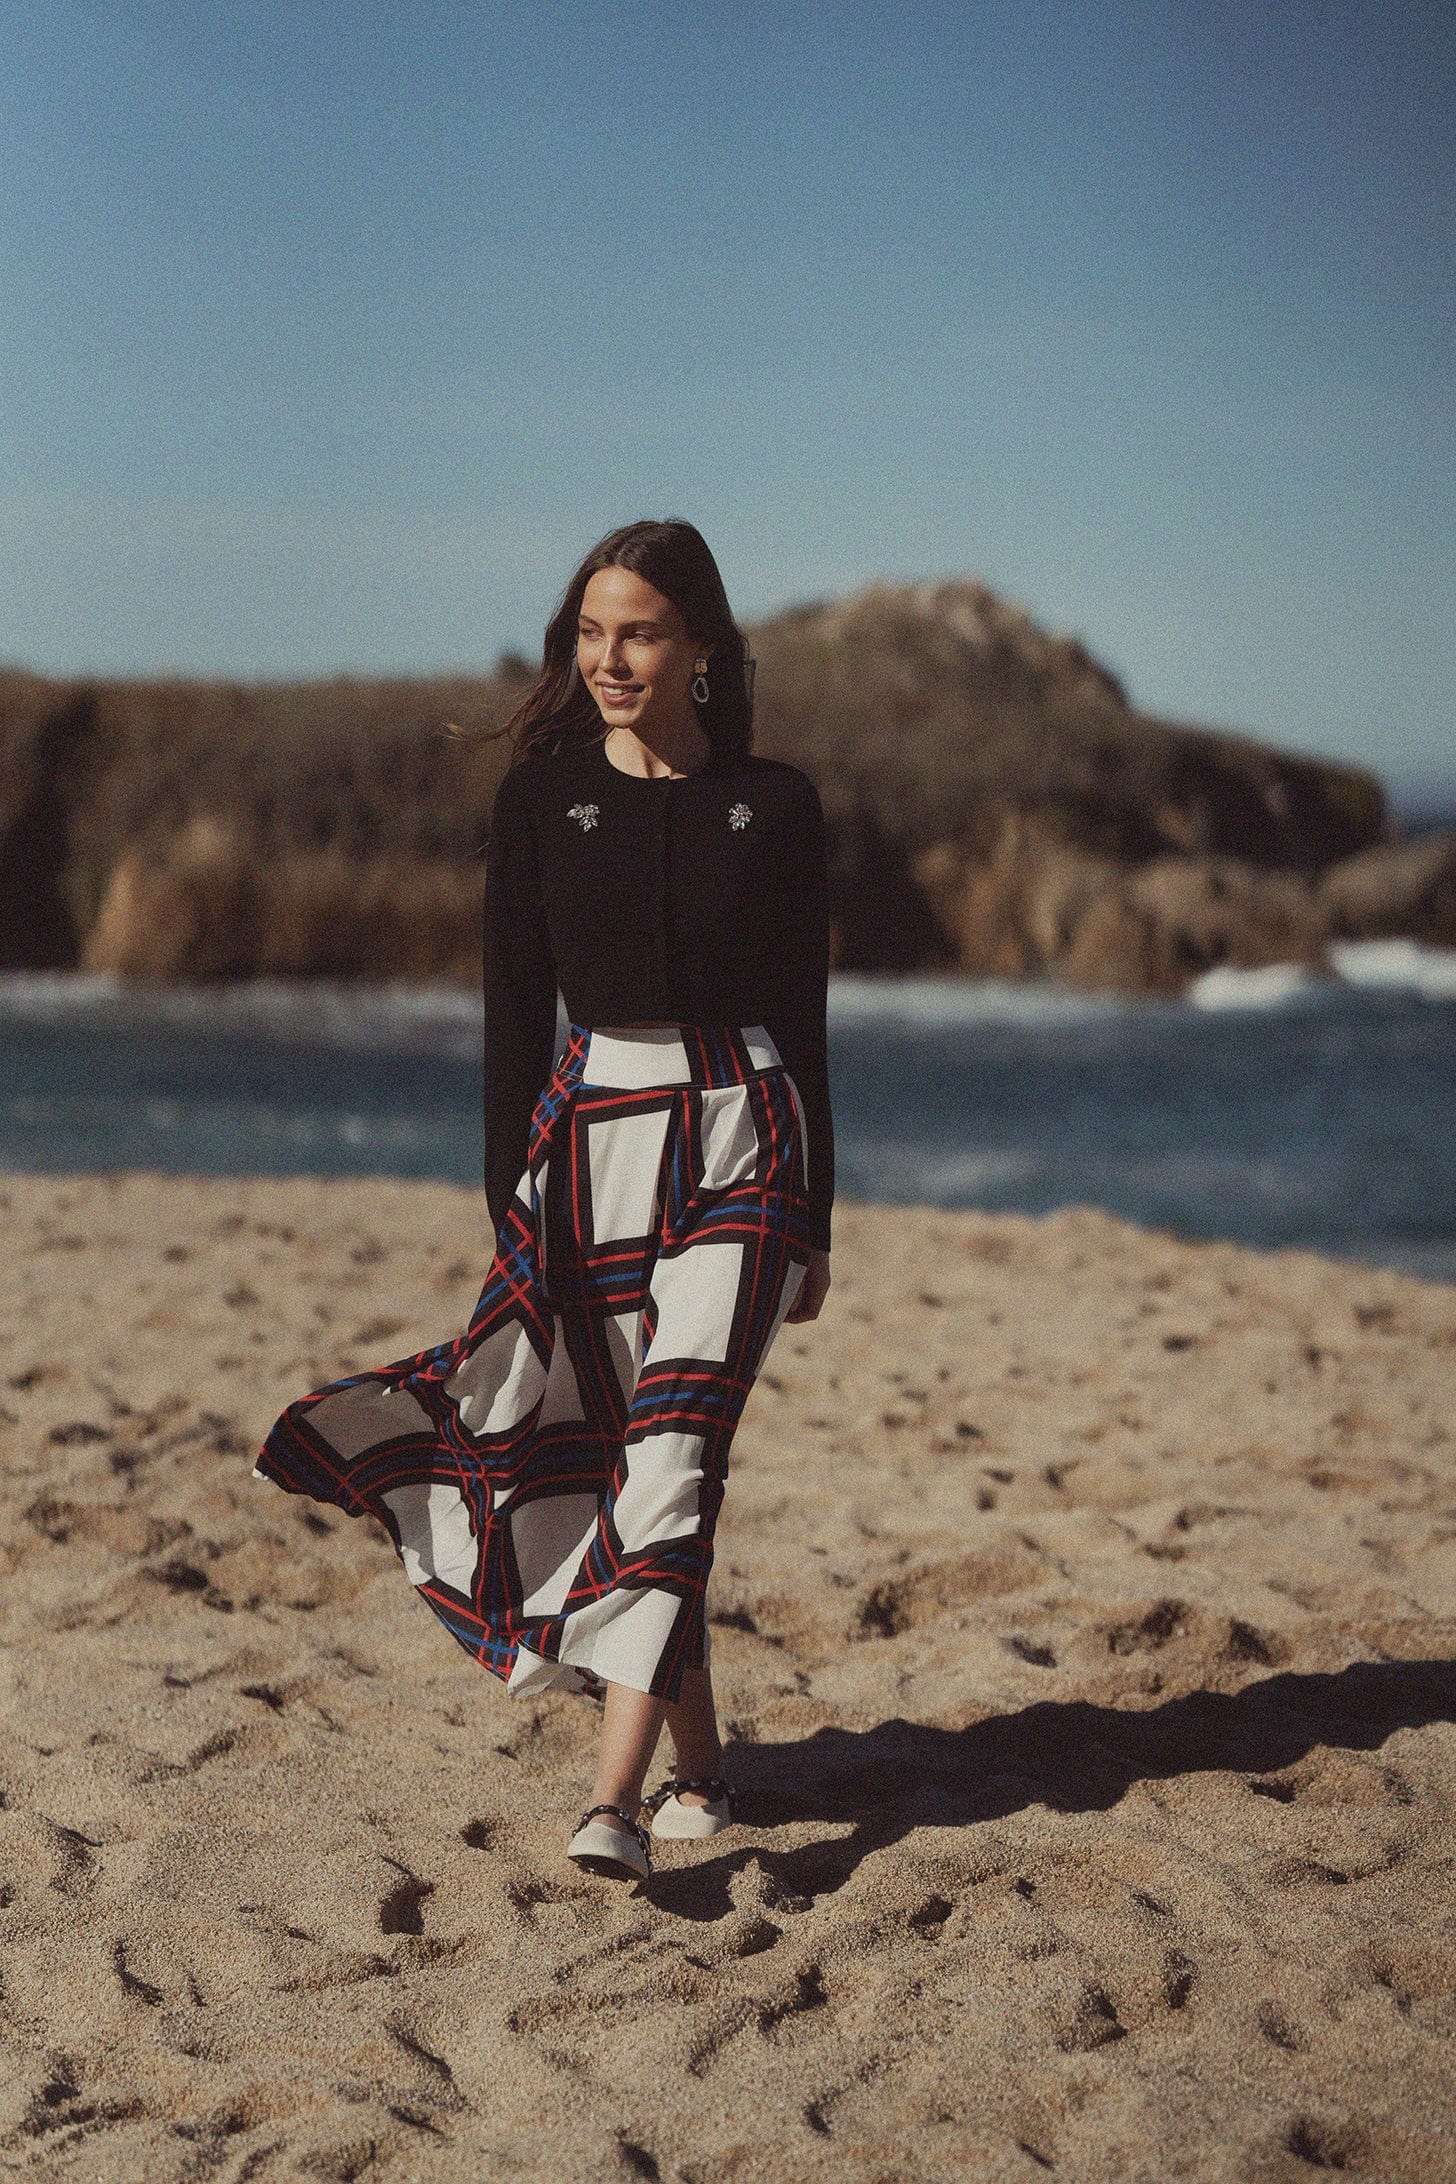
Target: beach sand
[(1083, 1630)]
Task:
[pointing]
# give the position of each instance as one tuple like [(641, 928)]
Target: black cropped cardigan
[(693, 899)]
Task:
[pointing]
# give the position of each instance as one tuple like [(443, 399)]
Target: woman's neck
[(669, 751)]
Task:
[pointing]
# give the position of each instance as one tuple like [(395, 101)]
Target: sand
[(1083, 1632)]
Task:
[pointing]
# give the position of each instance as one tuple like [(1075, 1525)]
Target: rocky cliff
[(995, 803)]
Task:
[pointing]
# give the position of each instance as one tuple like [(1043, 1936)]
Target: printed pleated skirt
[(552, 1477)]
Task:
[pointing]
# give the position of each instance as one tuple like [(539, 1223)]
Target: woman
[(660, 1191)]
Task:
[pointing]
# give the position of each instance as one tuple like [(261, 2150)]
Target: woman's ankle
[(697, 1769), (626, 1803)]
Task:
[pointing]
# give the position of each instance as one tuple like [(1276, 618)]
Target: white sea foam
[(448, 1020), (45, 994), (934, 1003), (1403, 966), (1270, 986), (437, 1019), (431, 1016), (1165, 1184), (911, 1173)]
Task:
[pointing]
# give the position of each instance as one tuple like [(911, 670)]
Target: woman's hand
[(812, 1289)]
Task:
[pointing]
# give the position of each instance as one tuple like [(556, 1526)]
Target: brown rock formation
[(1039, 907), (200, 830), (1397, 888), (1047, 827), (938, 708), (202, 907), (1166, 921), (994, 803)]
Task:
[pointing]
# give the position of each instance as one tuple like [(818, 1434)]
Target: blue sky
[(334, 333)]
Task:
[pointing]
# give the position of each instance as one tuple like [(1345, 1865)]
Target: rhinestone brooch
[(739, 817), (585, 815)]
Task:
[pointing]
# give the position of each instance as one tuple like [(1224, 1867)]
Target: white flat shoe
[(675, 1822), (623, 1852)]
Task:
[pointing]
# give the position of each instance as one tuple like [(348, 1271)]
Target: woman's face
[(634, 652)]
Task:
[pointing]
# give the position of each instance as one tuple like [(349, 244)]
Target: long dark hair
[(675, 559)]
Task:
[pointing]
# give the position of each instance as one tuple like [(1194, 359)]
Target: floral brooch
[(739, 817), (585, 815)]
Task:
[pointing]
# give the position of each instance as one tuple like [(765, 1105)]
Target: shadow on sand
[(1073, 1757)]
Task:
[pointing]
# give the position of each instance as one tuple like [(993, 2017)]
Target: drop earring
[(700, 681)]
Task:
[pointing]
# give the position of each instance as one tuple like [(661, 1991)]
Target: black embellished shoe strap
[(712, 1787)]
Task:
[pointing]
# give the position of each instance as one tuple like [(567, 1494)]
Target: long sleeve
[(520, 995), (798, 1025)]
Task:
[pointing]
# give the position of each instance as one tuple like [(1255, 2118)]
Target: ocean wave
[(1196, 1182), (1270, 986), (449, 1020), (436, 1019), (926, 1002), (319, 1009), (1354, 966), (912, 1174), (1401, 966)]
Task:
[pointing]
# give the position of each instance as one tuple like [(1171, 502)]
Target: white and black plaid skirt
[(552, 1477)]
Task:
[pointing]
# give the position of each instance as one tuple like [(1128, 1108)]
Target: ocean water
[(1269, 1107)]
